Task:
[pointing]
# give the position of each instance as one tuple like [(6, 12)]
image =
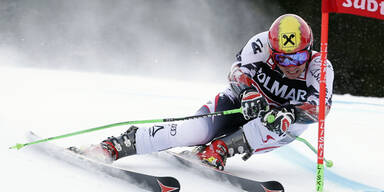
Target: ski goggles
[(292, 59)]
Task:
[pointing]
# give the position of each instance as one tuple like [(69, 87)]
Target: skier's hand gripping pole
[(271, 119)]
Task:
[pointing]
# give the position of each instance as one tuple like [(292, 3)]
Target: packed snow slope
[(52, 103)]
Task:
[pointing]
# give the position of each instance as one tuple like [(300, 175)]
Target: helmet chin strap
[(274, 64)]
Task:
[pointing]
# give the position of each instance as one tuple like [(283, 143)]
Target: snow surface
[(52, 103)]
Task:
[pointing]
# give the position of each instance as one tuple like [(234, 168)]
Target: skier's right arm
[(252, 102), (240, 77), (240, 80)]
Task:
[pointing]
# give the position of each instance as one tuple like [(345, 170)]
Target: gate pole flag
[(366, 8)]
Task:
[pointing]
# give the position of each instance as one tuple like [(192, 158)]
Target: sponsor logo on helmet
[(288, 39), (289, 34)]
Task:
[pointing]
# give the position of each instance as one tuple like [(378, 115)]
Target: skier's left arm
[(307, 112)]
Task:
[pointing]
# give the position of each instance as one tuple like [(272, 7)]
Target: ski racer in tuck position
[(276, 75)]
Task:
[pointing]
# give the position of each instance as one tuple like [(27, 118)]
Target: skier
[(275, 80)]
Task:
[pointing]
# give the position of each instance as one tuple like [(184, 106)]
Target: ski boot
[(220, 149), (214, 155), (122, 146), (112, 148), (95, 152)]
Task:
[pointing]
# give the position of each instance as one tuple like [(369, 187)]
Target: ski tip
[(168, 184), (17, 146)]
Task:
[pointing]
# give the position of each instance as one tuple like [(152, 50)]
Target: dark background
[(355, 47), (178, 39)]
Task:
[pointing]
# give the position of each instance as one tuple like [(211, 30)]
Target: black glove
[(278, 120), (252, 104)]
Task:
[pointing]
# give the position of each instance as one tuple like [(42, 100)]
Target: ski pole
[(219, 113), (328, 163)]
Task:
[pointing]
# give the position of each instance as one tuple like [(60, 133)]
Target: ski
[(148, 182), (243, 183)]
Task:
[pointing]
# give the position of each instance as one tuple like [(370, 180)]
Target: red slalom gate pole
[(320, 146)]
